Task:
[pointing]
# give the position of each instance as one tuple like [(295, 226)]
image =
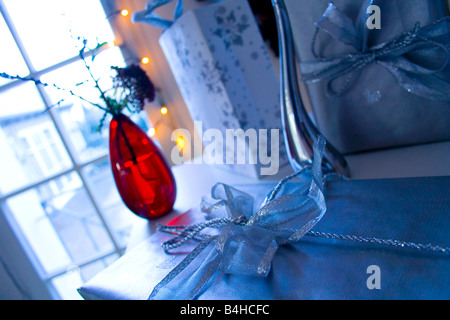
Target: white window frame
[(27, 279)]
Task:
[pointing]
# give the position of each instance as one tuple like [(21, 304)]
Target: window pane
[(80, 125), (31, 148), (79, 118), (120, 218), (11, 61), (76, 77), (59, 223), (49, 28), (20, 100)]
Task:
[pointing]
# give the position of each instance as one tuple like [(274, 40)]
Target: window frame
[(23, 268)]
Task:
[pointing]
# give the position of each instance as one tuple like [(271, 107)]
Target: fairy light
[(145, 60), (151, 132), (124, 12), (180, 142), (164, 111)]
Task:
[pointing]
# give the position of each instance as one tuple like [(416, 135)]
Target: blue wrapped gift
[(410, 210), (375, 86)]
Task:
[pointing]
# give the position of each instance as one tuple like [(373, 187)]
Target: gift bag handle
[(299, 131), (150, 17)]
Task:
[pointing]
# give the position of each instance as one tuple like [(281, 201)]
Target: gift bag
[(227, 79), (376, 72)]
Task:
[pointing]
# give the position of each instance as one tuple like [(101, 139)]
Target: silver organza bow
[(246, 241)]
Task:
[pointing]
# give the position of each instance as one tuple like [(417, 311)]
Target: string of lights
[(145, 61)]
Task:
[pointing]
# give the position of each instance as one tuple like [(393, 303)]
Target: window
[(56, 187)]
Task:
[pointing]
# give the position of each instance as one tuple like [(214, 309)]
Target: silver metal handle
[(299, 131)]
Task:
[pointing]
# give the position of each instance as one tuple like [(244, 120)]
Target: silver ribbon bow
[(412, 76), (247, 241)]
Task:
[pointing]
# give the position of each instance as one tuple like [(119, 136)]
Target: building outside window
[(57, 192)]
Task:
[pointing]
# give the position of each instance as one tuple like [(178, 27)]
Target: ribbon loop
[(339, 26), (233, 203)]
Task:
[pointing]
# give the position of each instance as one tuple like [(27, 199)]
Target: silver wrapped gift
[(375, 84)]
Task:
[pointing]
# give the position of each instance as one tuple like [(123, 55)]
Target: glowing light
[(151, 132), (145, 60), (180, 142), (111, 44), (164, 110), (124, 12)]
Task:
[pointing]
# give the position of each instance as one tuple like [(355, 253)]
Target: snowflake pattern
[(182, 52), (213, 75), (230, 27)]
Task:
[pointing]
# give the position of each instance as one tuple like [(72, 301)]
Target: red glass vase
[(143, 177)]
